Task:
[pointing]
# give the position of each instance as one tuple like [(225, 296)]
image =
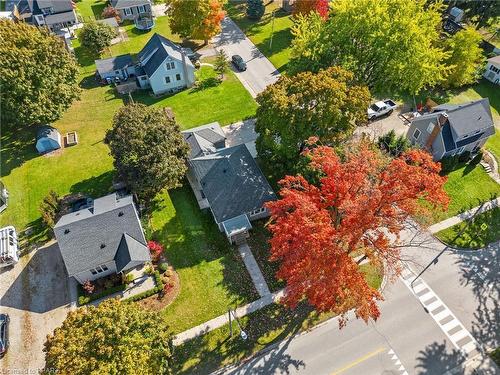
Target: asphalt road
[(260, 72), (406, 339)]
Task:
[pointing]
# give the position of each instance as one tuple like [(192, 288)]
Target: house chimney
[(441, 120)]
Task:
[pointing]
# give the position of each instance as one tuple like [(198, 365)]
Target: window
[(170, 65), (93, 272), (460, 150), (141, 9), (104, 268), (416, 133), (143, 78), (178, 77), (430, 128), (258, 211), (127, 11), (495, 69), (167, 79)]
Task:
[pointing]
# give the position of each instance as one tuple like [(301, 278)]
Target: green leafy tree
[(221, 63), (326, 105), (113, 338), (198, 19), (38, 76), (393, 144), (148, 148), (49, 208), (387, 44), (467, 60), (255, 9), (96, 36)]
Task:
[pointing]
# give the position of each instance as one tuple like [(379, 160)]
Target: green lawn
[(475, 234), (90, 9), (212, 275), (493, 145), (260, 32)]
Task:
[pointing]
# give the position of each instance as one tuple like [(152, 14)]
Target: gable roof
[(58, 6), (232, 182), (495, 60), (157, 50), (130, 250), (91, 237), (113, 63), (204, 139), (120, 4), (469, 117)]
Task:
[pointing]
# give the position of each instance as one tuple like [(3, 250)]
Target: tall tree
[(326, 104), (387, 44), (198, 19), (221, 64), (148, 148), (38, 76), (113, 338), (305, 7), (255, 9), (96, 36), (466, 60), (359, 203)]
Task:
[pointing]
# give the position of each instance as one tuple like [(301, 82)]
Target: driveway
[(36, 295), (385, 124), (242, 132), (260, 72)]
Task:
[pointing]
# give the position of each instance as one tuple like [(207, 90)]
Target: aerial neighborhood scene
[(250, 187)]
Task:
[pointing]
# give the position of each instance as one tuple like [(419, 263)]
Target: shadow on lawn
[(95, 186), (215, 349), (17, 147)]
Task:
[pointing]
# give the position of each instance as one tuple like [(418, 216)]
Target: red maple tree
[(358, 205), (307, 6), (211, 25)]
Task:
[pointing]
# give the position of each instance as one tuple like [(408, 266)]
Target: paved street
[(260, 72), (36, 295)]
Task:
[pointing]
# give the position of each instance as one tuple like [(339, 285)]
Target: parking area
[(385, 124), (37, 295)]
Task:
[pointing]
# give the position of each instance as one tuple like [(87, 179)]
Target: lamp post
[(272, 32), (243, 334)]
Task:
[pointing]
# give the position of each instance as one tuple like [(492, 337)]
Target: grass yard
[(259, 32), (90, 9), (212, 275), (474, 234), (493, 145)]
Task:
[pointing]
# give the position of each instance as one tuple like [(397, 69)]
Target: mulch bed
[(159, 301)]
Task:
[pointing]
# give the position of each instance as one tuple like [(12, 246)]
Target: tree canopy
[(148, 148), (305, 7), (255, 9), (326, 104), (197, 19), (38, 76), (387, 44), (359, 202), (113, 338), (96, 35), (466, 61), (221, 64)]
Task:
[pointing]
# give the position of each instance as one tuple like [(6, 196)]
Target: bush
[(109, 12), (449, 164), (163, 267), (127, 278), (464, 157), (88, 287), (393, 144), (156, 249), (49, 208), (149, 270), (255, 9), (96, 36), (83, 300)]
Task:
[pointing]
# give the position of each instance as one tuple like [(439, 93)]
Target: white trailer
[(9, 251)]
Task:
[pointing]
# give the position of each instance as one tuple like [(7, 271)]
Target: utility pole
[(243, 334), (272, 33)]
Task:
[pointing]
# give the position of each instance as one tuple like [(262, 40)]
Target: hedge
[(83, 300), (148, 293)]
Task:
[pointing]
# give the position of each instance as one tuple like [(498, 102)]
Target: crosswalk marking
[(442, 315), (397, 362)]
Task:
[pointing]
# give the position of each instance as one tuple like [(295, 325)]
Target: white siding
[(490, 74), (158, 82)]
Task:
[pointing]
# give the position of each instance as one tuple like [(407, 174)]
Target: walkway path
[(141, 285), (253, 270), (260, 71), (223, 319), (464, 216)]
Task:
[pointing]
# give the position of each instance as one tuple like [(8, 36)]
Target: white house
[(492, 72), (132, 9)]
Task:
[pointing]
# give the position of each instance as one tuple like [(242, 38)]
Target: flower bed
[(83, 299)]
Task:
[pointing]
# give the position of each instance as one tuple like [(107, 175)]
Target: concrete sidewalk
[(464, 216), (253, 269)]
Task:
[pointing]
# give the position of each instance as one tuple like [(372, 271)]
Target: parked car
[(381, 108), (4, 334), (239, 63)]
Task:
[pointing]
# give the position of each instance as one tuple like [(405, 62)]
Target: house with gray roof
[(227, 181), (452, 129), (132, 9), (102, 239), (119, 66), (55, 14)]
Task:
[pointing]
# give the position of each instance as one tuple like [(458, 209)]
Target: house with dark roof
[(55, 14), (492, 72), (161, 65), (451, 129), (102, 239), (132, 9), (227, 181)]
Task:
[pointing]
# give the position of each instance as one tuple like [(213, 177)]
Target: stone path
[(253, 269), (223, 319), (464, 216)]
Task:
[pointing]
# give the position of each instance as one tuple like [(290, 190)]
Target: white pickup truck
[(381, 108)]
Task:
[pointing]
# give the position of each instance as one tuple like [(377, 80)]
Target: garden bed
[(103, 287), (165, 298)]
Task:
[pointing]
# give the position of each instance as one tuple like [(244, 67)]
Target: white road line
[(396, 361), (459, 333)]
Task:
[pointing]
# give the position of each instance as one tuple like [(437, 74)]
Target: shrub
[(96, 36), (163, 267), (88, 287), (127, 278), (109, 12), (149, 270), (108, 284), (393, 144), (156, 249), (449, 164), (464, 157), (255, 9), (49, 208), (82, 300)]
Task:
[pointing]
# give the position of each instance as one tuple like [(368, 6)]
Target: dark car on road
[(239, 63), (4, 334)]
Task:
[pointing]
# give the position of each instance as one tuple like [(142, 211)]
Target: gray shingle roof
[(130, 250), (91, 237), (57, 6), (160, 48), (232, 182), (466, 118), (113, 63), (204, 139), (52, 19), (47, 132), (120, 4)]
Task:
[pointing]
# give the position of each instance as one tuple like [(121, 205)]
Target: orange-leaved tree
[(358, 205), (307, 6)]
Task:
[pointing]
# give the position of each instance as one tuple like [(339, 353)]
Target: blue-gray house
[(47, 139)]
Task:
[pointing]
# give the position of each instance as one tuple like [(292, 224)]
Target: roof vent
[(224, 170), (479, 118), (120, 213), (66, 231), (103, 245)]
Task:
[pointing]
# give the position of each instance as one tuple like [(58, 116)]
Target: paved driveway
[(36, 295), (385, 124), (260, 72)]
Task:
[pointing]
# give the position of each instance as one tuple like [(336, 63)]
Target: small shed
[(47, 139)]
